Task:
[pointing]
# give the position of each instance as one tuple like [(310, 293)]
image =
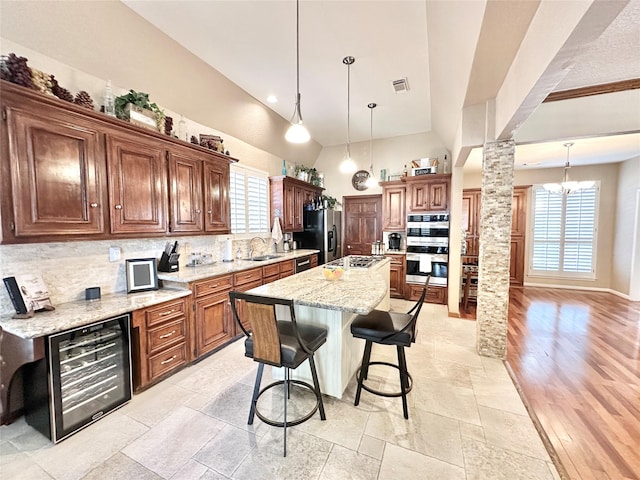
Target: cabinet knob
[(118, 207), (93, 205), (209, 212), (197, 211)]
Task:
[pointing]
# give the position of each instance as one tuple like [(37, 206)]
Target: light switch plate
[(114, 254)]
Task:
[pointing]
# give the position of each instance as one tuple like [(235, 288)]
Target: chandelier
[(567, 187)]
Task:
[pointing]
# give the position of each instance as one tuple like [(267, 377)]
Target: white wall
[(624, 263), (109, 41), (389, 153)]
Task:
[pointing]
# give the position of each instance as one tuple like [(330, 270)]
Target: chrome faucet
[(251, 245)]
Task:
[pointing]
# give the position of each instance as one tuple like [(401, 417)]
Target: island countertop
[(359, 290)]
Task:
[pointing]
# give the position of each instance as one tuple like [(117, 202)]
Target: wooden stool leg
[(404, 380), (256, 391)]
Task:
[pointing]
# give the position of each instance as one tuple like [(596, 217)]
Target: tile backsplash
[(68, 268)]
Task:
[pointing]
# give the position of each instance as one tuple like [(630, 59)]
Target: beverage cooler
[(86, 373)]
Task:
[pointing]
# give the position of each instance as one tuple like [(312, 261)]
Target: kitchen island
[(333, 305)]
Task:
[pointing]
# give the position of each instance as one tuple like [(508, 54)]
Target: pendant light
[(297, 132), (371, 181), (348, 165), (567, 187)]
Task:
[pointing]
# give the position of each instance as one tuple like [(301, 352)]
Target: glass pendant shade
[(348, 165), (297, 132), (567, 187)]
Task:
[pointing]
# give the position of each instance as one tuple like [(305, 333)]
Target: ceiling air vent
[(400, 86)]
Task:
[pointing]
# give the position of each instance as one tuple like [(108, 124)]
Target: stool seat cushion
[(378, 324), (291, 352)]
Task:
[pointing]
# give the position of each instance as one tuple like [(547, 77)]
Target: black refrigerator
[(322, 231)]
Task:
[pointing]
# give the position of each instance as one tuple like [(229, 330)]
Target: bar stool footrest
[(290, 423), (385, 394)]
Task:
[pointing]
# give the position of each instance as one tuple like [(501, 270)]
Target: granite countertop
[(76, 314), (191, 274), (359, 290), (395, 252)]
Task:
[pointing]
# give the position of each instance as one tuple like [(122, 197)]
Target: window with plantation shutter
[(249, 199), (564, 233)]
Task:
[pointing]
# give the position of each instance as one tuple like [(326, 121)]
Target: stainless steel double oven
[(428, 247)]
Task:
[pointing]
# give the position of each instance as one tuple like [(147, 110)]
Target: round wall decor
[(359, 180)]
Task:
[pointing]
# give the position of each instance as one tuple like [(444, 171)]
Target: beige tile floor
[(466, 421)]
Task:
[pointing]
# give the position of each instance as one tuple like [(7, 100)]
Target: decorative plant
[(139, 99), (331, 201)]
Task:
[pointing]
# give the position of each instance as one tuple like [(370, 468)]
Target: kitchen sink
[(262, 258)]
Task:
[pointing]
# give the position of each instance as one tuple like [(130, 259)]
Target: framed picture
[(141, 274)]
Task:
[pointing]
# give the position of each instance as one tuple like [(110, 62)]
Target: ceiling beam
[(612, 87)]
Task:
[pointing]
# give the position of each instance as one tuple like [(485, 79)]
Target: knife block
[(169, 262)]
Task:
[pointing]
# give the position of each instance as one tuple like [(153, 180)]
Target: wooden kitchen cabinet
[(199, 193), (160, 341), (270, 273), (288, 198), (397, 275), (394, 206), (428, 194), (213, 324), (217, 210), (138, 199), (53, 171), (471, 204), (435, 293), (287, 268), (185, 188), (314, 260), (69, 173)]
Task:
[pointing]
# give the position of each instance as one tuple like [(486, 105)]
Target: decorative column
[(495, 245)]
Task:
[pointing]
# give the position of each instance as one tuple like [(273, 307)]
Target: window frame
[(561, 274), (257, 173)]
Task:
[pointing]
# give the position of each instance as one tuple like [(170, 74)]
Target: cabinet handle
[(168, 360), (167, 335), (118, 207), (164, 314), (93, 205), (213, 286), (197, 211), (209, 212)]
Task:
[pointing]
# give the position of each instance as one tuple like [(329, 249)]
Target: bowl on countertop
[(332, 273)]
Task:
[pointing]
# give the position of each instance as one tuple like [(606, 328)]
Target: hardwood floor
[(576, 358)]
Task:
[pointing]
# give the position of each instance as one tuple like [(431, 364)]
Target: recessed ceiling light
[(272, 99)]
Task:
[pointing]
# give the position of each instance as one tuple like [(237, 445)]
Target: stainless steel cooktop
[(357, 261)]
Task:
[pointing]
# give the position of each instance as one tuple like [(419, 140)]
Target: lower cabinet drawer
[(167, 360), (435, 294), (270, 279), (165, 335), (164, 312), (287, 268)]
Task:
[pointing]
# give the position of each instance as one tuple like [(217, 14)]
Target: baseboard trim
[(588, 289)]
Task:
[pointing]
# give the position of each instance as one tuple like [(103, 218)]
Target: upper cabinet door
[(185, 188), (419, 197), (394, 210), (57, 172), (137, 185), (439, 197), (216, 197)]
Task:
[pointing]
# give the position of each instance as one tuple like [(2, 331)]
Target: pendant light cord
[(349, 110)]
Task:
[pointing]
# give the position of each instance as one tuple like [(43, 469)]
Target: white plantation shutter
[(564, 235), (249, 195)]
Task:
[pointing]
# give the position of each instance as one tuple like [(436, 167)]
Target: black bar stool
[(281, 343), (388, 328)]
